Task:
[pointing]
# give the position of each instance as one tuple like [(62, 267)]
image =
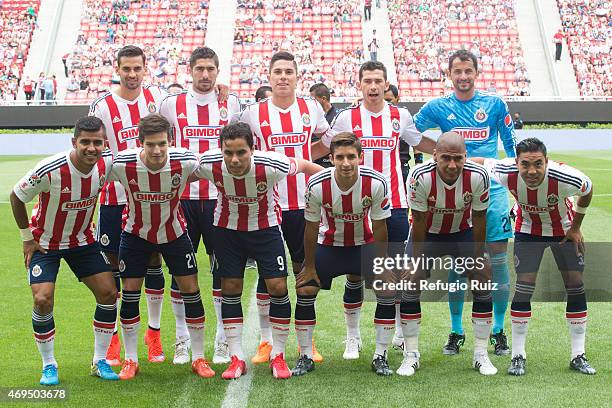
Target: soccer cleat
[(113, 354), (482, 363), (181, 351), (201, 368), (380, 365), (279, 367), (517, 365), (221, 355), (454, 342), (398, 343), (129, 369), (49, 375), (104, 371), (153, 341), (236, 368), (263, 353), (500, 342), (303, 366), (580, 363), (352, 348), (410, 363)]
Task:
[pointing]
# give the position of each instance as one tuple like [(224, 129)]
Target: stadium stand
[(423, 42), (17, 23), (586, 25), (167, 30), (325, 36)]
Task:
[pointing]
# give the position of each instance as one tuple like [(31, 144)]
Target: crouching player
[(67, 185), (546, 218), (346, 207), (449, 196), (154, 178)]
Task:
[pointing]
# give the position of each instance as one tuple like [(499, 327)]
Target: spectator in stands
[(558, 40), (373, 48), (48, 86), (367, 11), (518, 122), (73, 84), (28, 89)]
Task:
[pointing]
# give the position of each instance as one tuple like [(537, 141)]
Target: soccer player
[(246, 224), (346, 208), (154, 177), (481, 118), (67, 185), (380, 126), (449, 196), (121, 112), (546, 218), (286, 124), (197, 117)]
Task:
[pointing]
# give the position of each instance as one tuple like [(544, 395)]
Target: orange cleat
[(129, 369), (201, 368), (263, 353), (235, 370), (153, 341), (113, 354), (316, 356), (279, 367)]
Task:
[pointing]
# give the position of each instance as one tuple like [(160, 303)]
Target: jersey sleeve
[(341, 123), (578, 184), (505, 126), (248, 116), (31, 185), (321, 127), (312, 210), (493, 167), (204, 168), (381, 204), (425, 118), (417, 196), (234, 107), (94, 109), (281, 166), (480, 195), (409, 134)]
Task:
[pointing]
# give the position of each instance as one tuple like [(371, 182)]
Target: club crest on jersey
[(128, 133), (395, 124), (366, 201), (480, 115), (36, 271), (262, 186), (378, 143), (151, 107), (104, 240), (467, 198), (552, 200), (102, 180), (176, 180), (287, 139), (223, 113), (306, 119), (34, 179), (516, 261), (202, 132), (121, 266)]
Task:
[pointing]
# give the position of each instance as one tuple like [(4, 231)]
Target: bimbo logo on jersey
[(202, 132), (128, 133), (351, 217), (534, 209), (473, 134), (242, 199), (287, 139), (79, 205), (154, 197), (378, 143)]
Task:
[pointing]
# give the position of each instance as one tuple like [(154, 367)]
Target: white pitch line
[(237, 393)]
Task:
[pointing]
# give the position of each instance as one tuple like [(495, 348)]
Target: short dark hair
[(174, 85), (130, 51), (203, 52), (530, 145), (393, 90), (260, 93), (152, 124), (283, 56), (88, 124), (237, 130), (345, 139), (463, 55), (372, 66), (321, 90)]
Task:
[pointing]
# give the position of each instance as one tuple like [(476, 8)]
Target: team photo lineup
[(154, 175)]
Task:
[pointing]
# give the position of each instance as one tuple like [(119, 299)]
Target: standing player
[(121, 112), (449, 196), (346, 208), (197, 117), (67, 185), (480, 117), (286, 124), (154, 177), (246, 225), (380, 127), (546, 218)]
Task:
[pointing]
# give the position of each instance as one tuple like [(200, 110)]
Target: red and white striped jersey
[(66, 200), (121, 118), (547, 210), (448, 207), (346, 216), (197, 120), (153, 212), (287, 131), (249, 202), (380, 135)]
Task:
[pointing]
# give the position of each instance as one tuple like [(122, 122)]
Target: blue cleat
[(49, 375), (104, 371)]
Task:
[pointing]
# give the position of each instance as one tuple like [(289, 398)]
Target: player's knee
[(188, 284), (155, 259), (276, 287), (106, 295), (309, 289), (231, 285), (43, 302)]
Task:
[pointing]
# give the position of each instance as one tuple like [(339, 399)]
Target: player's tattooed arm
[(308, 272), (20, 213)]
